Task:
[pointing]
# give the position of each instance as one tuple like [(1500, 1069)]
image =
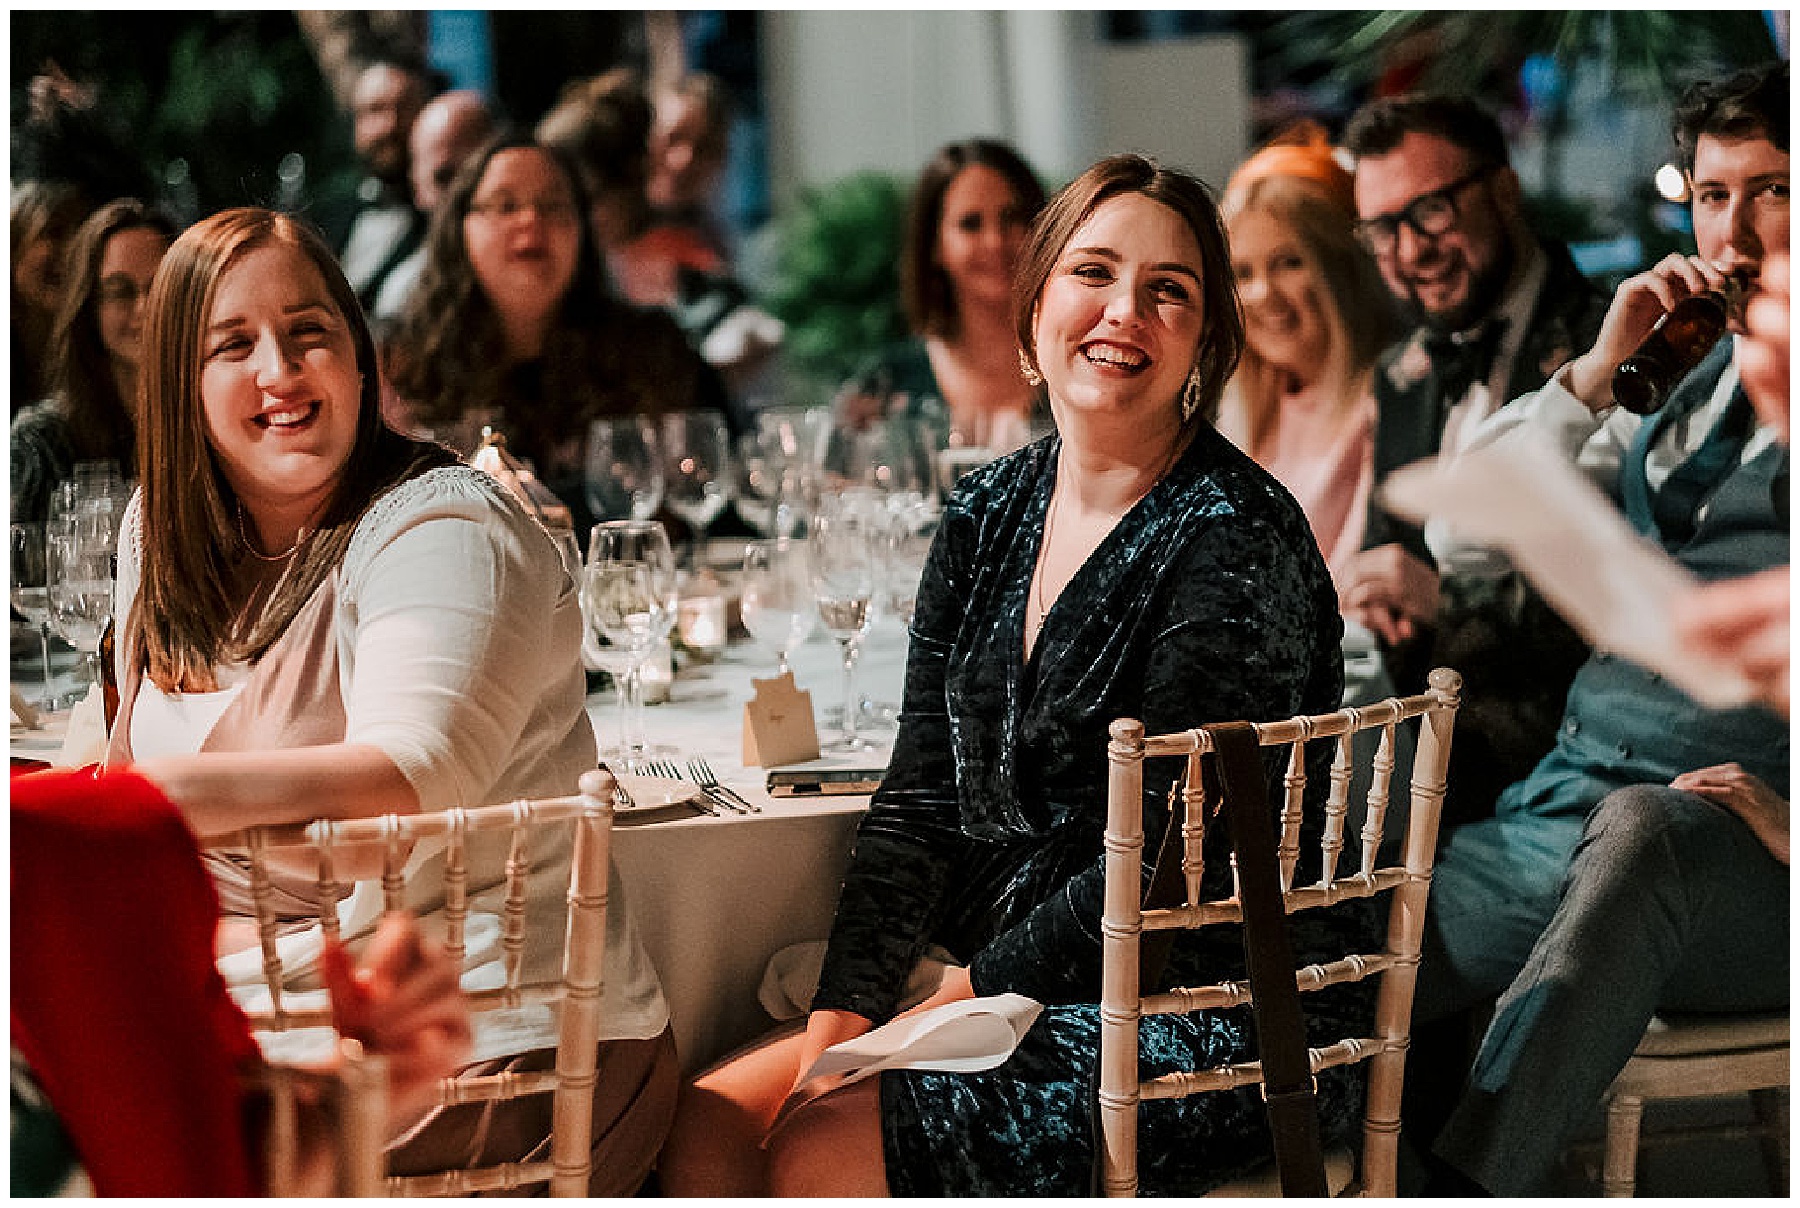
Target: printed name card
[(778, 724)]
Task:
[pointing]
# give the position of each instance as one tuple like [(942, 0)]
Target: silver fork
[(621, 798), (703, 776), (710, 792), (714, 804)]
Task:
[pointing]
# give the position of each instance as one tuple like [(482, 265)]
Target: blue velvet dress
[(1207, 602)]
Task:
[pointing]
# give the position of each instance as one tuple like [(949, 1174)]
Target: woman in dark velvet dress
[(1134, 564)]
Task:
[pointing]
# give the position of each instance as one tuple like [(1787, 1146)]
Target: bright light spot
[(1671, 182)]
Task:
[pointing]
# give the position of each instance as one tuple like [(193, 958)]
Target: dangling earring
[(1190, 395), (1033, 378)]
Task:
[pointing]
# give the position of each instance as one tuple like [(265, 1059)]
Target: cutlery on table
[(703, 776), (722, 803)]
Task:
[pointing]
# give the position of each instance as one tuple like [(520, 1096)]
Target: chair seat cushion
[(1683, 1035)]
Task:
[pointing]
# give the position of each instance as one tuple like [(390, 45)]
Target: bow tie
[(1462, 358)]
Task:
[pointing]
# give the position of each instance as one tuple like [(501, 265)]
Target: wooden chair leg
[(1771, 1107), (1624, 1117)]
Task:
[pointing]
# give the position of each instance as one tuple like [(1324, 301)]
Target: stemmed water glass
[(31, 596), (79, 558), (696, 467), (843, 554), (628, 601), (624, 473), (777, 601)]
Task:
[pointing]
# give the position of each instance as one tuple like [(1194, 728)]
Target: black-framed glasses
[(552, 210), (1429, 216)]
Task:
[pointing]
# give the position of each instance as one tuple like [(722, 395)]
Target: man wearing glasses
[(1496, 310), (1643, 865)]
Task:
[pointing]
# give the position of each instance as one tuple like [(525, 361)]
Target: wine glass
[(911, 528), (79, 559), (31, 596), (628, 601), (777, 601), (696, 466), (624, 473), (843, 556)]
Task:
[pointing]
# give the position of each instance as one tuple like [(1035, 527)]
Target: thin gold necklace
[(244, 536)]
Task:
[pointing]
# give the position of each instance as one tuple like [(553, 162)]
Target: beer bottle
[(1679, 341)]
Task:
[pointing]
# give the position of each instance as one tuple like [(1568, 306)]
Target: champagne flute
[(696, 467), (777, 602), (79, 558), (843, 575), (628, 600), (31, 596), (624, 471)]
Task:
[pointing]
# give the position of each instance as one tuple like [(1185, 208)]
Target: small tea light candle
[(656, 675), (701, 622)]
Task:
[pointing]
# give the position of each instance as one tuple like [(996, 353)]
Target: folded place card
[(778, 724)]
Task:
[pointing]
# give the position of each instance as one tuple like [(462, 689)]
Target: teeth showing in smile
[(1107, 354), (287, 417)]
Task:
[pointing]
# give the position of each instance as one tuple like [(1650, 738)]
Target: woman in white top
[(321, 617), (1316, 316)]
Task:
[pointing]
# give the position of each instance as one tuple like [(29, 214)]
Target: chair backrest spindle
[(1123, 1002)]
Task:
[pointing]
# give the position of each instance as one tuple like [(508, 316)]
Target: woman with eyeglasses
[(1316, 316), (94, 352), (511, 324)]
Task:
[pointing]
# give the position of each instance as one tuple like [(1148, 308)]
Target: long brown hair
[(447, 356), (189, 616), (101, 424), (925, 289), (1222, 334)]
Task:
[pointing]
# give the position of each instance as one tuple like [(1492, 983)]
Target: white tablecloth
[(715, 897)]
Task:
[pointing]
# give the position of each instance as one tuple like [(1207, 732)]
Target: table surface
[(714, 897)]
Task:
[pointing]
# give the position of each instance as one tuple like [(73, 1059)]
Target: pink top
[(1334, 489)]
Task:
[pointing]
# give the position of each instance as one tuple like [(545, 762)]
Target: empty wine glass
[(843, 555), (31, 597), (624, 472), (628, 600), (777, 600), (696, 466), (911, 528), (79, 559)]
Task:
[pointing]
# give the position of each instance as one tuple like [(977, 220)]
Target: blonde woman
[(1315, 317)]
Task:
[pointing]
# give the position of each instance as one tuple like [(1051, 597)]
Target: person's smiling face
[(1282, 291), (1118, 323), (1454, 278), (280, 388)]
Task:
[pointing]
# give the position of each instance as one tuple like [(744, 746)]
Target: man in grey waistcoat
[(1636, 869)]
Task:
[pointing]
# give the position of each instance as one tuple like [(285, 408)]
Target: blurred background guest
[(1316, 317), (378, 227), (45, 215), (91, 414), (603, 125), (511, 324), (688, 141), (965, 228), (450, 128)]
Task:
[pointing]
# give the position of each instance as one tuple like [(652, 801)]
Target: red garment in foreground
[(116, 1003)]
